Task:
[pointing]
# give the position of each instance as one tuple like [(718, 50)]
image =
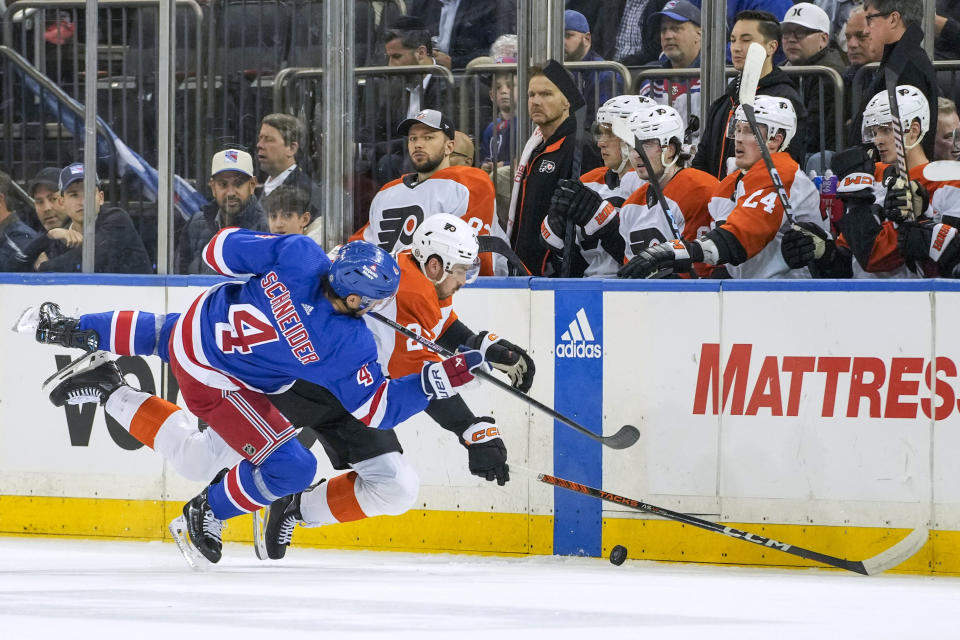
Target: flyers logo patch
[(548, 166)]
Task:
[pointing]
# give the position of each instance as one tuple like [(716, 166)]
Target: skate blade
[(196, 560), (260, 532), (27, 321), (85, 362)]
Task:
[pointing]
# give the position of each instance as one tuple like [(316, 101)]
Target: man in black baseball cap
[(429, 137), (44, 188)]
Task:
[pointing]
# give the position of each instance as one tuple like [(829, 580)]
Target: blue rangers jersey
[(278, 326)]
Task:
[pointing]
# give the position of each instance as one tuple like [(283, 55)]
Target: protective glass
[(470, 271), (741, 129), (375, 304)]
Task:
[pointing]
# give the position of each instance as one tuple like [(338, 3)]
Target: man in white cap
[(232, 182), (806, 41)]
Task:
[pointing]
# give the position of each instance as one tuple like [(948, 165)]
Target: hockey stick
[(749, 77), (654, 183), (879, 563), (494, 244), (942, 170), (625, 437)]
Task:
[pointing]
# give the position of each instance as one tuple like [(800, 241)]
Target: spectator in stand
[(596, 86), (625, 33), (463, 154), (547, 158), (233, 183), (807, 41), (464, 30), (288, 210), (281, 136), (388, 101), (947, 146), (946, 25), (14, 234), (895, 24), (495, 143), (117, 245), (680, 39), (861, 49), (45, 191), (838, 13), (715, 149)]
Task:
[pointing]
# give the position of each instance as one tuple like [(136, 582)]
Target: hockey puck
[(618, 554)]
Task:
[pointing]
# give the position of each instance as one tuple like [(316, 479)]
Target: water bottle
[(831, 208)]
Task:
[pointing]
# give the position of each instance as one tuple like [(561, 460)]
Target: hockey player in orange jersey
[(401, 205), (748, 215), (888, 232), (594, 201), (443, 257)]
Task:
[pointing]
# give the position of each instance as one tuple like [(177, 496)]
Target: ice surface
[(139, 590)]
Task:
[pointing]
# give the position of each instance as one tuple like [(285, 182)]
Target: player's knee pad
[(289, 469), (386, 485)]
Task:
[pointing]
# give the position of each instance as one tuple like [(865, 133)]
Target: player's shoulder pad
[(855, 182), (594, 175), (639, 196), (470, 177)]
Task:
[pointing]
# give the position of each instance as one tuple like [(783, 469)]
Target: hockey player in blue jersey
[(296, 317)]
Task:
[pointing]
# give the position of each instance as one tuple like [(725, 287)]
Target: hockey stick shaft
[(886, 560), (654, 182), (903, 170), (625, 437)]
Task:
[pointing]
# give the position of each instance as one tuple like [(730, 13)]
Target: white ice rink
[(55, 588)]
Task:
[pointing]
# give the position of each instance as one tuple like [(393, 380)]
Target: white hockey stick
[(942, 170), (749, 77)]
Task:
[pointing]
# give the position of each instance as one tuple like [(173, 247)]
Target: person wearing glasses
[(463, 151), (807, 41), (895, 24)]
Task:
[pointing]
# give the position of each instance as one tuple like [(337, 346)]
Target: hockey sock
[(331, 502), (126, 333), (247, 488), (140, 413)]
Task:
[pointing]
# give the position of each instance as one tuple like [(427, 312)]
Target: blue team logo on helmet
[(366, 270)]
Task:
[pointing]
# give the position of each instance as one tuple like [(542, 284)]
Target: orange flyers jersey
[(401, 205), (416, 307), (599, 262), (747, 205), (687, 194), (885, 260)]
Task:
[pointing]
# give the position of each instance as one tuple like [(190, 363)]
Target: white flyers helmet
[(617, 110), (912, 103), (777, 113), (450, 238), (659, 122)]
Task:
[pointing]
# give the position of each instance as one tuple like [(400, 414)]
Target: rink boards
[(826, 415)]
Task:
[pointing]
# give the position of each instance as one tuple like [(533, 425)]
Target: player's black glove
[(854, 169), (486, 453), (919, 240), (507, 357), (552, 230), (664, 259), (803, 243), (573, 200), (899, 205)]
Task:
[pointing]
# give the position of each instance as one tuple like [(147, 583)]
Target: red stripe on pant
[(236, 494)]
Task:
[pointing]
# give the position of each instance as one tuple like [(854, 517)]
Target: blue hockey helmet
[(366, 270)]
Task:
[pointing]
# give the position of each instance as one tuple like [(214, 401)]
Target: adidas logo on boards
[(578, 340)]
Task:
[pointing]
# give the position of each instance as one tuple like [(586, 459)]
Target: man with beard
[(232, 182), (547, 158), (401, 205)]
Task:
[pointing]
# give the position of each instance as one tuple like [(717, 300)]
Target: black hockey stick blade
[(879, 563), (625, 437)]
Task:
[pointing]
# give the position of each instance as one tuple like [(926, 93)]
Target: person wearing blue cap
[(596, 87), (118, 247), (679, 26)]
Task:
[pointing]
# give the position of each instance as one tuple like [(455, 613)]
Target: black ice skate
[(198, 533), (55, 328), (90, 378), (273, 527)]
